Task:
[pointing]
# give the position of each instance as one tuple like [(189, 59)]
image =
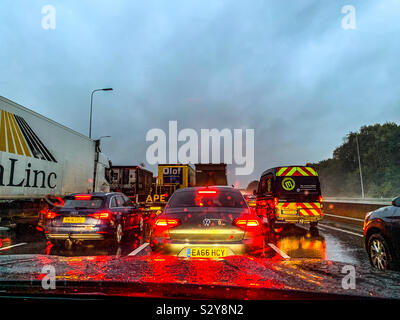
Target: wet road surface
[(334, 240)]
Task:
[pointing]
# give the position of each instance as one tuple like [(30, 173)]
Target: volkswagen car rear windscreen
[(227, 199)]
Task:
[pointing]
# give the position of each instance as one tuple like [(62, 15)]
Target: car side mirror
[(396, 202)]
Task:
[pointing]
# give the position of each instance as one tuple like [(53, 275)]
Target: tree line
[(379, 147)]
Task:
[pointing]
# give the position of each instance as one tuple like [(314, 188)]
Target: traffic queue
[(178, 217), (187, 220)]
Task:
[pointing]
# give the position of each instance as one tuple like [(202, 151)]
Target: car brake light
[(262, 203), (167, 223), (320, 199), (51, 215), (210, 192), (101, 215), (83, 197), (246, 223)]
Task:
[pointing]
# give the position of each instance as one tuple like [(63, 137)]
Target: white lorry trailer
[(41, 158)]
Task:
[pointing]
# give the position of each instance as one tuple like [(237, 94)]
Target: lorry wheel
[(118, 234)]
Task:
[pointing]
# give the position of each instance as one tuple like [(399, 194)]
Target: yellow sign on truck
[(180, 175)]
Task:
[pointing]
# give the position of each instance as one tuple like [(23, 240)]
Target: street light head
[(107, 89)]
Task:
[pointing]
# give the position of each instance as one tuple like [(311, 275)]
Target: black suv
[(382, 236)]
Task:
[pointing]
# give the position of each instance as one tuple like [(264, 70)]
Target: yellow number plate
[(205, 252), (73, 220)]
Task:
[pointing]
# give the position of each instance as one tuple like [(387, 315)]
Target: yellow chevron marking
[(302, 172), (312, 171), (293, 170), (281, 170)]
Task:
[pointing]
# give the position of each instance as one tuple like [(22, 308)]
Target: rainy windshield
[(200, 149)]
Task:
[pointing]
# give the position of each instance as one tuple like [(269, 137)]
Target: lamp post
[(91, 107), (359, 166)]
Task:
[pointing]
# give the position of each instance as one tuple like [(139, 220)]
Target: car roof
[(97, 194)]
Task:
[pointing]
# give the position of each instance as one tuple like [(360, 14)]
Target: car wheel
[(379, 252), (118, 234)]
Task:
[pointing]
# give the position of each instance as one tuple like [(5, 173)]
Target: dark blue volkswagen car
[(93, 216)]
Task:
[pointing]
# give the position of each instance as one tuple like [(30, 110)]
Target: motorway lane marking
[(303, 227), (349, 218), (14, 245), (137, 250), (279, 251), (337, 229)]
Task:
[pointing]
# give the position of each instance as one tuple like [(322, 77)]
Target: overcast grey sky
[(287, 69)]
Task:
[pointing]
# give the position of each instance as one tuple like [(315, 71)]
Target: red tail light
[(167, 223), (246, 223), (51, 215), (262, 203), (101, 215), (83, 197), (207, 192), (321, 199)]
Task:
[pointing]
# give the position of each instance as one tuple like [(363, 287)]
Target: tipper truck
[(42, 159), (134, 181), (211, 174)]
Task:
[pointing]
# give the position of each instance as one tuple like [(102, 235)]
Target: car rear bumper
[(175, 248), (75, 236), (81, 233), (298, 219)]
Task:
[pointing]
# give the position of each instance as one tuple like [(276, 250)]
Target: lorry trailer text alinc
[(31, 179)]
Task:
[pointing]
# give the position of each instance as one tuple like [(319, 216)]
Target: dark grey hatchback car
[(382, 236), (93, 216)]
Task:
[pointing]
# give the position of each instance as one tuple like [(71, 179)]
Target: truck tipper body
[(40, 158), (211, 174), (134, 181)]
